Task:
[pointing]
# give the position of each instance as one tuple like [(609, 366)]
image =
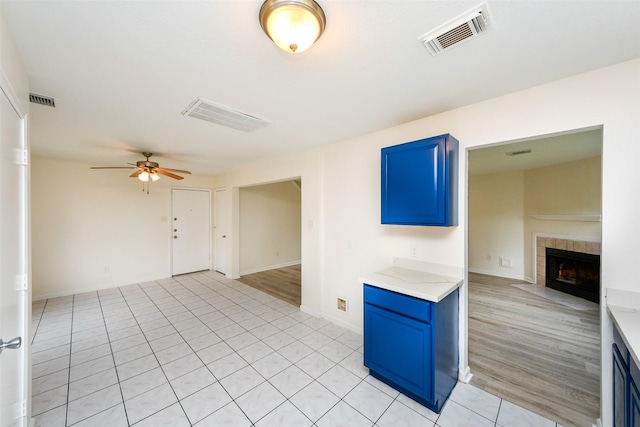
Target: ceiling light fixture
[(293, 25)]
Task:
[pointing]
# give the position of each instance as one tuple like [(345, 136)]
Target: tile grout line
[(182, 296)]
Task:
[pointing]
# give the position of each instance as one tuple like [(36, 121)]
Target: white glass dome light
[(293, 25)]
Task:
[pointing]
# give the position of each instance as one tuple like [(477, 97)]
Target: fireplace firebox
[(574, 273)]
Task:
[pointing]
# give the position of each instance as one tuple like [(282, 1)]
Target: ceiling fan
[(147, 170)]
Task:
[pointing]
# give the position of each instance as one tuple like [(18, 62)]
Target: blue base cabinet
[(420, 182), (412, 344), (626, 379)]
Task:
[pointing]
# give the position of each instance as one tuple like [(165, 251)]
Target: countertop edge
[(625, 314), (615, 313), (442, 289)]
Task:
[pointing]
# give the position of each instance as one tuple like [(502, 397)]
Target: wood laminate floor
[(534, 352), (283, 283)]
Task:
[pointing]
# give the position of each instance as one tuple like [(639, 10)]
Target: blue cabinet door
[(634, 405), (398, 348), (419, 182), (619, 389)]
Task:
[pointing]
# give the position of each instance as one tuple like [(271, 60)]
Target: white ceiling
[(536, 152), (122, 72)]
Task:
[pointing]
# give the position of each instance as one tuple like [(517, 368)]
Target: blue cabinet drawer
[(403, 304)]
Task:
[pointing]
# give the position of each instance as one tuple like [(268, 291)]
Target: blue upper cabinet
[(420, 182)]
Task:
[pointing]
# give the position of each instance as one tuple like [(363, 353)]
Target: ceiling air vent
[(42, 100), (518, 153), (225, 116), (464, 27)]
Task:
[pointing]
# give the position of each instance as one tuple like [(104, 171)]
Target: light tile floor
[(202, 350)]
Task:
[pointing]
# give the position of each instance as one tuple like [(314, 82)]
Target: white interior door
[(220, 230), (14, 369), (191, 227)]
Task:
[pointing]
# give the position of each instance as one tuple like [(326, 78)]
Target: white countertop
[(624, 309), (420, 279)]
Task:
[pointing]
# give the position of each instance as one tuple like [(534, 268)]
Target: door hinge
[(21, 282), (22, 157), (20, 410)]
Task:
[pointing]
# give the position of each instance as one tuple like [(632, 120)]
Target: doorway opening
[(270, 238), (528, 343)]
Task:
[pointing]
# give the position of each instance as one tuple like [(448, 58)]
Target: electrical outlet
[(342, 304), (106, 268), (413, 251), (505, 262)]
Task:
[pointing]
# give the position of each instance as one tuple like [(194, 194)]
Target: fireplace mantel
[(568, 217)]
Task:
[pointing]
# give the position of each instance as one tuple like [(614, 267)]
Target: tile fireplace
[(570, 266)]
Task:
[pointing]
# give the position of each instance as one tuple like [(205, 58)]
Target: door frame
[(25, 327), (465, 374), (223, 246)]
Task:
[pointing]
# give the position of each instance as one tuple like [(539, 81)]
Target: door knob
[(175, 237), (224, 236), (14, 343)]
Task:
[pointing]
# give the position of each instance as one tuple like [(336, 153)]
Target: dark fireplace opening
[(574, 273)]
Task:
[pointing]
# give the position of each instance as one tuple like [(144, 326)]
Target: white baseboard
[(500, 274), (465, 375), (97, 288), (269, 267), (331, 319)]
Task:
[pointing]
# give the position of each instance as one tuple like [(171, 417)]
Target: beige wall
[(573, 190), (93, 229), (501, 209), (12, 66), (342, 236), (270, 235), (496, 223), (341, 233)]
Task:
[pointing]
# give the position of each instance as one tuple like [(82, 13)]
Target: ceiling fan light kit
[(147, 170), (293, 25)]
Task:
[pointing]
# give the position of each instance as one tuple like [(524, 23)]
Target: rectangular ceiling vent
[(465, 27), (42, 100), (222, 115)]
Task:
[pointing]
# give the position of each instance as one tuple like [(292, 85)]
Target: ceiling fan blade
[(164, 172), (176, 170), (136, 173), (112, 167)]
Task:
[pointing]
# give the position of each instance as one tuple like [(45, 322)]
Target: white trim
[(571, 217), (331, 319), (465, 375), (7, 88), (499, 274), (269, 267), (25, 209), (99, 288)]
